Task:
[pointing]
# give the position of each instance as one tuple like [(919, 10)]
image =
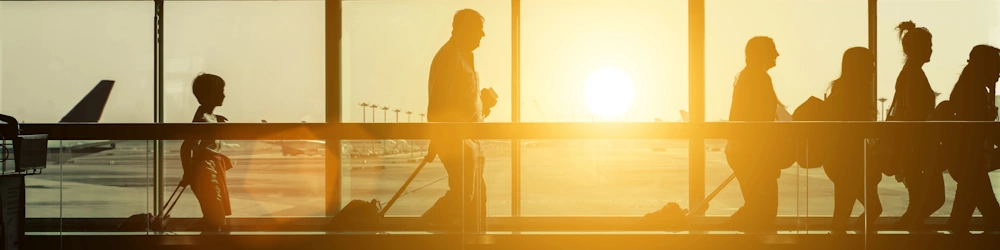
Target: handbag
[(888, 155), (810, 152), (763, 150)]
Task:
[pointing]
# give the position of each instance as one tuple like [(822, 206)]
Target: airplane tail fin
[(91, 107), (684, 116)]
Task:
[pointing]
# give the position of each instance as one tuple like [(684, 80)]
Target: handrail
[(371, 131)]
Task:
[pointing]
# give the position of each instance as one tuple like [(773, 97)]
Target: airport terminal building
[(612, 125)]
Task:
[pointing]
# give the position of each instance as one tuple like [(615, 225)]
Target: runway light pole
[(883, 107)]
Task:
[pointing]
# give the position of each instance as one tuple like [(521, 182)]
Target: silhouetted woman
[(972, 99), (754, 99), (915, 101), (204, 164), (851, 99)]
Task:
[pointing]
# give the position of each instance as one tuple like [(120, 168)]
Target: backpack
[(138, 222), (810, 152), (358, 215)]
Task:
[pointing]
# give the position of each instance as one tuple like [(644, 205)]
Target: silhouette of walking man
[(454, 96), (754, 99)]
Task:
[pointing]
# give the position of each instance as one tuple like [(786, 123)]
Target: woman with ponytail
[(915, 101)]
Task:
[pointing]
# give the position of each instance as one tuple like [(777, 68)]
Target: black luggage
[(139, 222), (673, 217), (367, 215)]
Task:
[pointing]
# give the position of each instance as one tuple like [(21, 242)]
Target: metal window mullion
[(333, 98), (696, 99), (158, 163), (515, 152)]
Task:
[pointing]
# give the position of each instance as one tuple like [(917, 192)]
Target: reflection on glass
[(268, 178), (603, 177), (600, 60), (92, 179), (378, 168)]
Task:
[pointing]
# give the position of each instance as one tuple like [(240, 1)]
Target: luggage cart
[(20, 155)]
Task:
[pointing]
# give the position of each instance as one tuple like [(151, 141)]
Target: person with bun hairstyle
[(915, 100)]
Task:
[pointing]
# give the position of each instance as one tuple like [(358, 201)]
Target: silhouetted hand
[(486, 112), (489, 98), (429, 157), (220, 118), (184, 181)]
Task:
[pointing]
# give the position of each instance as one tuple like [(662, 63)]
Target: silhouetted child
[(204, 164)]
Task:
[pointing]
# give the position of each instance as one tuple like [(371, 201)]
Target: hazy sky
[(272, 53)]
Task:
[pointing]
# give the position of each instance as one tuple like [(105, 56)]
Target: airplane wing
[(84, 145)]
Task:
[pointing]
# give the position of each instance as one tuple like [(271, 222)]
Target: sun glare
[(609, 92)]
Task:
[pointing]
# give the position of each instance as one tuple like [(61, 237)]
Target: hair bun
[(906, 26)]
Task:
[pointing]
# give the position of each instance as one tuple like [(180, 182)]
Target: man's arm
[(463, 93)]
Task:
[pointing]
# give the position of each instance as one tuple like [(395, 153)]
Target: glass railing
[(591, 183)]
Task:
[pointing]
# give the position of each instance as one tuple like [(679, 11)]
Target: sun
[(609, 92)]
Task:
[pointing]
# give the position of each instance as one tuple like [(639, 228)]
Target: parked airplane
[(88, 110)]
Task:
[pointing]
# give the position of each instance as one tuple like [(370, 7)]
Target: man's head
[(467, 29), (761, 52)]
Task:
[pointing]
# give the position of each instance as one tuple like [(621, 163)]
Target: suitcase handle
[(403, 188), (166, 210), (695, 210)]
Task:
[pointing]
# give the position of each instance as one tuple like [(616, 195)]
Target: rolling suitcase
[(672, 216), (367, 215), (139, 222)]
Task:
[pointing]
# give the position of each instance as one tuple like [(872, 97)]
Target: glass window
[(956, 27), (71, 47), (388, 47), (61, 56), (268, 178), (585, 61), (270, 53), (811, 38), (601, 60), (271, 56)]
